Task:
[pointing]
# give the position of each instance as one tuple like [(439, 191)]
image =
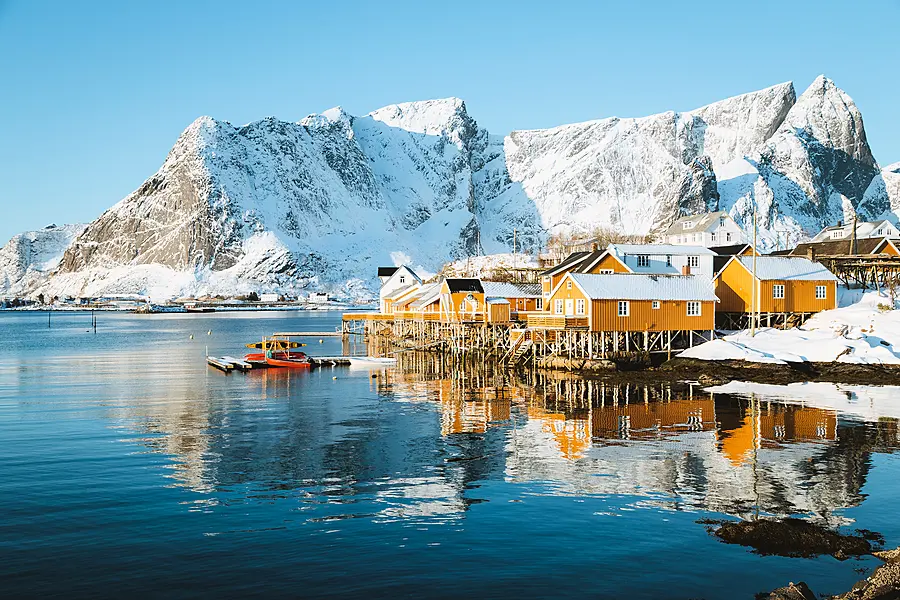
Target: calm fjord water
[(128, 467)]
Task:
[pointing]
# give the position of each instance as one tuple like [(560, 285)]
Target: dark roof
[(589, 261), (780, 252), (730, 250), (387, 271), (840, 247), (566, 264), (464, 285), (719, 262)]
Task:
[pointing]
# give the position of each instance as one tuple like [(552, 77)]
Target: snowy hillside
[(28, 257), (321, 203)]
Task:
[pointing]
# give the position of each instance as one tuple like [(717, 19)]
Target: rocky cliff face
[(28, 257), (323, 201)]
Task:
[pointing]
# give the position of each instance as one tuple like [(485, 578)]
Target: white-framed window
[(606, 272), (656, 304), (687, 225), (668, 260), (712, 236), (623, 308), (880, 231), (727, 236), (693, 261), (579, 306), (539, 304), (693, 308), (778, 291), (821, 292), (558, 307), (721, 221), (695, 237), (569, 285), (643, 260), (403, 279), (835, 235)]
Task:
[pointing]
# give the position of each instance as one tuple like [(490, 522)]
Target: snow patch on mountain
[(28, 257)]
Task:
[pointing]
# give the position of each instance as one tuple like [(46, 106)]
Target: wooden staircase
[(519, 350)]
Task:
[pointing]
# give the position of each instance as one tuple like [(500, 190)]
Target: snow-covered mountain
[(28, 257), (322, 202)]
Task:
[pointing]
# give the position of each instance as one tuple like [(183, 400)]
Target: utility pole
[(753, 299)]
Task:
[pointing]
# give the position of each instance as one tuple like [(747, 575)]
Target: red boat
[(277, 353)]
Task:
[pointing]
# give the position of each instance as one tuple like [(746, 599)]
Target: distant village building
[(269, 297), (710, 229), (861, 247), (318, 297), (788, 289), (864, 230)]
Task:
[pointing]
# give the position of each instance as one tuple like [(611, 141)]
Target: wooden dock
[(310, 334)]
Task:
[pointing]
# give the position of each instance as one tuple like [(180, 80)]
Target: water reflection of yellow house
[(768, 426), (647, 420), (572, 435)]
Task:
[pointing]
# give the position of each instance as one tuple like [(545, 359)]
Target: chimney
[(685, 270), (811, 253), (840, 224)]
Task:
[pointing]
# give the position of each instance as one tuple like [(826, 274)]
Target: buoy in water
[(334, 377), (209, 332), (192, 336), (320, 341)]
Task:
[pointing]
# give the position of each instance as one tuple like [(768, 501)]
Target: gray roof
[(702, 222), (786, 268), (645, 287), (503, 289), (426, 295), (658, 249)]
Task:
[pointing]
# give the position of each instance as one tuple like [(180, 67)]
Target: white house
[(268, 297), (864, 230), (318, 297), (398, 282), (665, 259), (708, 230)]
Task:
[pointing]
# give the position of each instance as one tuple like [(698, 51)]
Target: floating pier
[(219, 363)]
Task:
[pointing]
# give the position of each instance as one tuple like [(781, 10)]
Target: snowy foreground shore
[(863, 330)]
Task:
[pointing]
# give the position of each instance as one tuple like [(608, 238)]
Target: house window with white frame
[(721, 221), (403, 279), (837, 234), (656, 304), (693, 308), (668, 260), (539, 304), (643, 260), (569, 285), (623, 308), (778, 291), (693, 262), (727, 236), (606, 272), (579, 306), (558, 307), (821, 292)]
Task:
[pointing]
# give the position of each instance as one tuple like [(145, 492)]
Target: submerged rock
[(794, 538), (792, 591), (883, 584)]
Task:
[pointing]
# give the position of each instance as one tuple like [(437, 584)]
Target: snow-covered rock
[(274, 205), (28, 257), (813, 172)]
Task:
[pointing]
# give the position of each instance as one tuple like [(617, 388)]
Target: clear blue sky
[(95, 93)]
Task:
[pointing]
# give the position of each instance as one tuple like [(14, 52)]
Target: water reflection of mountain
[(379, 446)]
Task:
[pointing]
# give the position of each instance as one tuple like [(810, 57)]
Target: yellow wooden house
[(635, 303), (783, 286)]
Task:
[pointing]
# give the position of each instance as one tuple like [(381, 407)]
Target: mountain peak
[(431, 117), (828, 114)]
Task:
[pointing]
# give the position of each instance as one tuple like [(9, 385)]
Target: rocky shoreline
[(723, 371), (882, 584)]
